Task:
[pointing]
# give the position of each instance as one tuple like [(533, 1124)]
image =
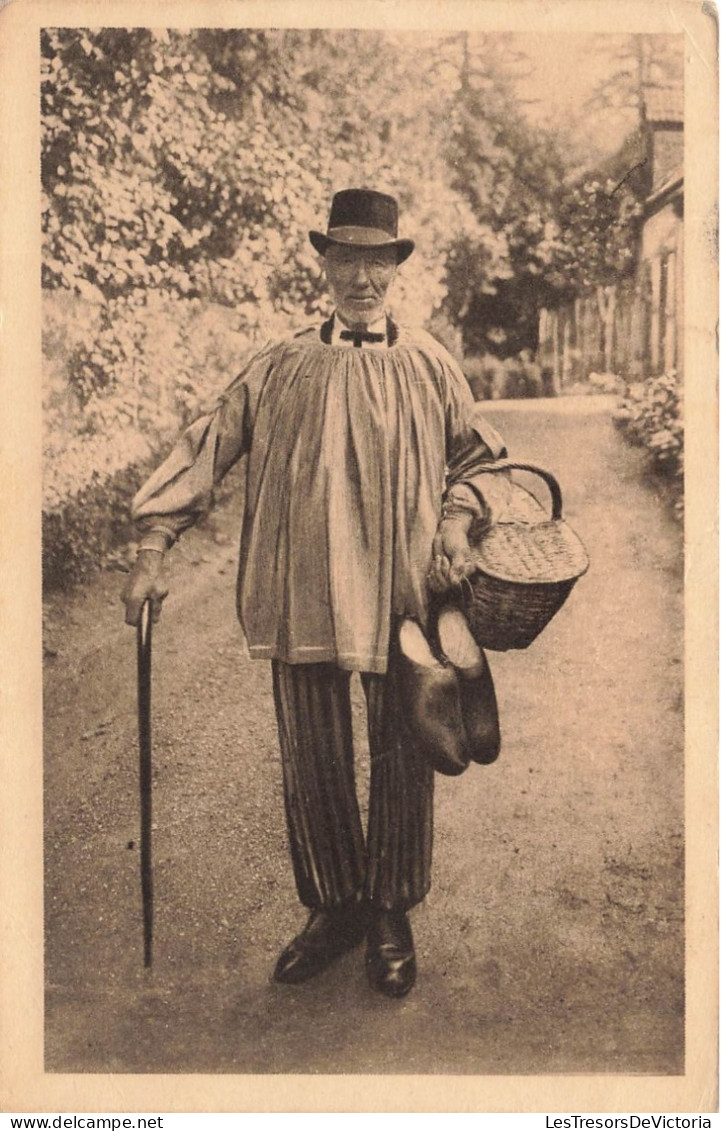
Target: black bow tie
[(360, 336)]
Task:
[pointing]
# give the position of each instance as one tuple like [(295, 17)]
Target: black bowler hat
[(363, 218)]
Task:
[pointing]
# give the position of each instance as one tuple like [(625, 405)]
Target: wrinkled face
[(358, 278)]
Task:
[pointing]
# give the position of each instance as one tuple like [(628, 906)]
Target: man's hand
[(147, 581), (452, 557)]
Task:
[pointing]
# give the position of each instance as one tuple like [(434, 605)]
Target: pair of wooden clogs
[(448, 694)]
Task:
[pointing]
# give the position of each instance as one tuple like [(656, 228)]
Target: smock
[(349, 452)]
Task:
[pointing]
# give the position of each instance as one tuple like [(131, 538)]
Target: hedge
[(78, 536)]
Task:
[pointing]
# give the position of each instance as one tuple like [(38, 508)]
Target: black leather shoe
[(431, 698), (326, 936), (479, 708), (390, 957)]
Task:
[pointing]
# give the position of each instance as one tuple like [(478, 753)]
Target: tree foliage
[(181, 171), (161, 171), (194, 162), (509, 174), (600, 208), (599, 221), (634, 63)]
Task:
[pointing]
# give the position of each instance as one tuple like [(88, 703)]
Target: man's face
[(358, 279)]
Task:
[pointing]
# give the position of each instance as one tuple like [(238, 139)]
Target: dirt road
[(552, 940)]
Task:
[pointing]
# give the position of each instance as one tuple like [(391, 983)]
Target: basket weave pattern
[(545, 553), (526, 567)]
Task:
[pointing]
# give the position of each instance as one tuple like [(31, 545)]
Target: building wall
[(662, 264)]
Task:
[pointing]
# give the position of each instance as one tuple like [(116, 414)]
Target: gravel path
[(552, 940)]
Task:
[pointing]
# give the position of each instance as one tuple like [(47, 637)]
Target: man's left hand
[(452, 557)]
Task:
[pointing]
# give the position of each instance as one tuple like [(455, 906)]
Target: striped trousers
[(333, 861)]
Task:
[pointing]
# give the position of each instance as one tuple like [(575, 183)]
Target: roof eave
[(663, 194)]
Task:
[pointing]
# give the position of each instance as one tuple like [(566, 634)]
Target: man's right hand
[(147, 581)]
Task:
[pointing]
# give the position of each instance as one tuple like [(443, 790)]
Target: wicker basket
[(526, 566)]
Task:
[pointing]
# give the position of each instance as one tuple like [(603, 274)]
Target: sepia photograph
[(370, 410)]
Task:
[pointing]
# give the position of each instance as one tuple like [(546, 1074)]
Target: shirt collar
[(378, 327)]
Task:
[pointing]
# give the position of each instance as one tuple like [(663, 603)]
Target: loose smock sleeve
[(181, 490), (472, 443)]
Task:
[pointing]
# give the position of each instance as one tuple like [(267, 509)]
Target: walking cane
[(145, 633)]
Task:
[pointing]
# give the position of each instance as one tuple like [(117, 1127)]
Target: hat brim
[(361, 237)]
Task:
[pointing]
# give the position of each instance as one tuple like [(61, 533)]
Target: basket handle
[(515, 465)]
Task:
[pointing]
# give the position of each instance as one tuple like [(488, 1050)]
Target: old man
[(365, 469)]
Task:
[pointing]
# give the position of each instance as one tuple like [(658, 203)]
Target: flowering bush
[(120, 379), (651, 415)]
